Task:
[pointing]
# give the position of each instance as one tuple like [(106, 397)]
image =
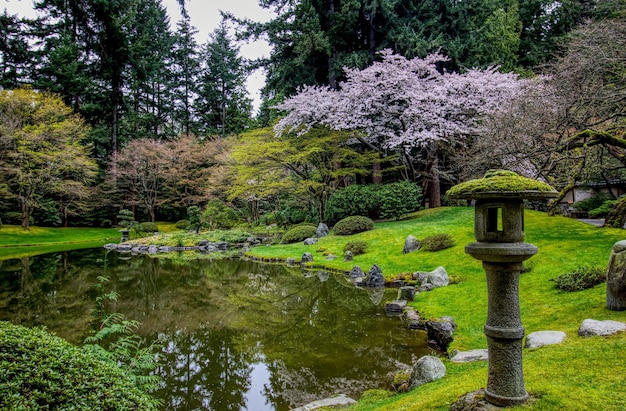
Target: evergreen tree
[(222, 106)]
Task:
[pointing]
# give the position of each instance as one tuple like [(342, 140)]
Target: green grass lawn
[(580, 374)]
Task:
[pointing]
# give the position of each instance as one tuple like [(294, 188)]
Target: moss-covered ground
[(580, 374)]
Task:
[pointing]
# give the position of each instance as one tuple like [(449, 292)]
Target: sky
[(205, 17)]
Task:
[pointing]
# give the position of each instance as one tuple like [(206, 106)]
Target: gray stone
[(441, 331), (396, 306), (222, 245), (470, 356), (413, 319), (331, 257), (616, 278), (347, 256), (110, 246), (425, 288), (153, 249), (473, 401), (437, 278), (425, 370), (340, 400), (322, 230), (375, 277), (306, 258), (290, 261), (406, 293), (356, 272), (591, 327), (411, 244), (310, 241), (541, 338)]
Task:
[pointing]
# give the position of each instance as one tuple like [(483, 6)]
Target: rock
[(375, 277), (412, 318), (203, 243), (540, 338), (322, 230), (470, 356), (395, 307), (110, 246), (425, 288), (406, 293), (153, 249), (356, 272), (616, 278), (591, 327), (222, 245), (436, 278), (306, 258), (425, 370), (411, 244), (347, 256), (331, 257), (441, 331), (340, 400), (310, 241), (323, 276), (290, 261), (473, 401)]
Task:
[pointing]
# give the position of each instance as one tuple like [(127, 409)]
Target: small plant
[(148, 227), (581, 278), (183, 224), (352, 225), (437, 242), (355, 247), (298, 233)]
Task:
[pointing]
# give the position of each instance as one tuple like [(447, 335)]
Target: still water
[(235, 335)]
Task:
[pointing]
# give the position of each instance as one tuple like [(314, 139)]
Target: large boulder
[(310, 241), (616, 278), (322, 230), (541, 338), (434, 279), (441, 331), (375, 277), (411, 244), (425, 370)]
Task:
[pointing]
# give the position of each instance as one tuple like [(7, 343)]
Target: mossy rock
[(502, 183)]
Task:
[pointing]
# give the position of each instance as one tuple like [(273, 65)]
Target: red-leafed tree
[(406, 108)]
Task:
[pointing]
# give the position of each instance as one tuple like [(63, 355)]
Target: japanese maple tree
[(405, 107)]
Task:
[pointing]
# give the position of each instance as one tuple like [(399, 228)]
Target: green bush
[(437, 242), (603, 210), (42, 371), (581, 278), (356, 247), (352, 200), (399, 199), (299, 233), (590, 203), (183, 224), (148, 227), (352, 225)]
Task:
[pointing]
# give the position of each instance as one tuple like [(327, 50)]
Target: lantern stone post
[(499, 233)]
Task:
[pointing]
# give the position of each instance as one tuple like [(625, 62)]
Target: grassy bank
[(581, 373)]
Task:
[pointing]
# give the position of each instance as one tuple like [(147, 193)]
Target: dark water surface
[(236, 335)]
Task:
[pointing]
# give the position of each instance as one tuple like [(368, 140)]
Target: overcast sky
[(205, 17)]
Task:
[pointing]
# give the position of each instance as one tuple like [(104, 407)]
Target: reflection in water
[(235, 335)]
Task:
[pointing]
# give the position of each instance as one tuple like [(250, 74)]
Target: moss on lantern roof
[(502, 182)]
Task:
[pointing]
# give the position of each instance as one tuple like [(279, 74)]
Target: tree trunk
[(434, 195), (25, 213), (377, 176)]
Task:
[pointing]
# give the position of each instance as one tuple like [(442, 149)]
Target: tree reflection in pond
[(236, 335)]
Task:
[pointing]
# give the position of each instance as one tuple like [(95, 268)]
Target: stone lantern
[(499, 233)]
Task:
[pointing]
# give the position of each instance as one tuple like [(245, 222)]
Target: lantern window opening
[(494, 220)]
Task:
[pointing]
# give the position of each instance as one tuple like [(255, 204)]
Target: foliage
[(299, 233), (437, 242), (603, 210), (616, 217), (352, 225), (581, 278), (590, 203), (183, 224), (148, 227), (353, 200), (399, 199), (217, 214), (194, 214), (40, 369), (125, 218), (356, 247)]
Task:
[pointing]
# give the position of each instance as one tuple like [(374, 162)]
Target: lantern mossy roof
[(502, 183)]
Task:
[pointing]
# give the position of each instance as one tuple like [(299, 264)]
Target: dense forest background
[(158, 123)]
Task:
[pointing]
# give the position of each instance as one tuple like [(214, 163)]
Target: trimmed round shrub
[(148, 227), (352, 200), (399, 199), (352, 225), (299, 233), (437, 242), (44, 371), (183, 224), (581, 278), (356, 247)]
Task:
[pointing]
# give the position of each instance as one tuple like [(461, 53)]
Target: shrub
[(352, 225), (590, 203), (148, 227), (437, 242), (40, 369), (398, 199), (581, 278), (352, 200), (298, 233), (603, 210), (183, 224), (356, 247)]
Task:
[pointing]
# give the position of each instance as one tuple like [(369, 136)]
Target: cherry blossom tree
[(407, 108)]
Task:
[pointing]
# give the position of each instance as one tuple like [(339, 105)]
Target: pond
[(236, 335)]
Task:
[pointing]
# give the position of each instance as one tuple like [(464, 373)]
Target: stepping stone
[(340, 400), (471, 356), (540, 338), (591, 327)]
